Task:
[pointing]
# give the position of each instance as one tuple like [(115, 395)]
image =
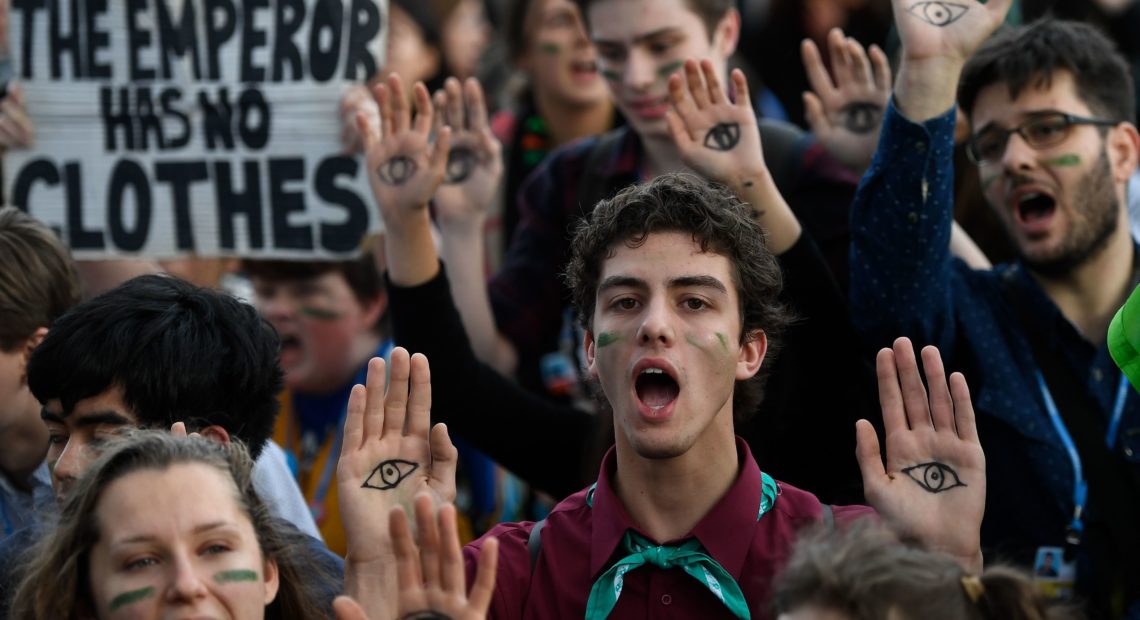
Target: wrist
[(749, 181), (926, 88)]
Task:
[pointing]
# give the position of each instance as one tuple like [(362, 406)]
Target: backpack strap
[(828, 517), (534, 542)]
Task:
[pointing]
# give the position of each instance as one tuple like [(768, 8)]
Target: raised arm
[(720, 139), (933, 487)]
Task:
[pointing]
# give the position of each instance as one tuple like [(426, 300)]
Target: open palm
[(475, 161), (933, 488), (950, 29)]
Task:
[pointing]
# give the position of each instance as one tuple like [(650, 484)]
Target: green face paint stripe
[(610, 75), (693, 341), (987, 182), (1069, 159), (318, 313), (669, 69), (549, 48), (236, 575), (129, 598), (723, 340), (605, 339)]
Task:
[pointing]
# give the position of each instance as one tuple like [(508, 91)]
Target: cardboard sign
[(208, 127)]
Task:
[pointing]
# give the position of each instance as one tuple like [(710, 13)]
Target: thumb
[(813, 110), (867, 453), (444, 461), (348, 609)]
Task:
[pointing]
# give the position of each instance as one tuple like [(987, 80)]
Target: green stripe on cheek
[(319, 313), (605, 339), (550, 48), (228, 576), (988, 181), (723, 340), (129, 598), (1069, 159), (610, 75), (665, 71)]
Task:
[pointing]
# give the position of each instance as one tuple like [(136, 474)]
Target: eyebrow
[(97, 418), (641, 37), (205, 527), (678, 282)]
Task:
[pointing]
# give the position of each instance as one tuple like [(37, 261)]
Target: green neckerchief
[(689, 556), (1124, 338)]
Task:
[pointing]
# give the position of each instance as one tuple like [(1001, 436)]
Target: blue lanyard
[(316, 506), (1080, 486)]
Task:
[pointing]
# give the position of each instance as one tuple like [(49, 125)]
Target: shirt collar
[(731, 520)]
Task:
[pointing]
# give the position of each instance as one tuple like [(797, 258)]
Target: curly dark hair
[(719, 222)]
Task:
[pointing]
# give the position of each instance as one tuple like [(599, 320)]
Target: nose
[(656, 326), (71, 462), (276, 307), (639, 71), (1018, 155), (185, 583)]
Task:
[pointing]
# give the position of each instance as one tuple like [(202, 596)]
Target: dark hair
[(864, 572), (57, 579), (361, 274), (719, 222), (515, 33), (1029, 56), (179, 352), (710, 11), (37, 281)]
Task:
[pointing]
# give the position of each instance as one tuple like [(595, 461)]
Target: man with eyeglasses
[(1049, 107)]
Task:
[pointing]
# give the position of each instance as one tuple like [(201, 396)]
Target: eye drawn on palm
[(846, 114), (390, 453), (946, 28), (406, 166), (474, 163), (933, 488), (716, 137)]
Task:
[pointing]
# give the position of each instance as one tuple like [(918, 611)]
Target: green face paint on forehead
[(1068, 159), (664, 71), (130, 598), (549, 48), (605, 339), (319, 313), (228, 576)]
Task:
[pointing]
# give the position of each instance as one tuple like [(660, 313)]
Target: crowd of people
[(682, 308)]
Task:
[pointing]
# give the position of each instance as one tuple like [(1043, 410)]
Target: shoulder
[(800, 508)]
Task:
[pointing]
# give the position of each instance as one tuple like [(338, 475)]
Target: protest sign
[(194, 127)]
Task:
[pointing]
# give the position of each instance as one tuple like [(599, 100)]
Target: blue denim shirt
[(904, 282)]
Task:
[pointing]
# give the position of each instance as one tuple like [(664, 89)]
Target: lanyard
[(316, 505), (1080, 487)]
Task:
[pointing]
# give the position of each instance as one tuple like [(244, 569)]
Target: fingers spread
[(817, 74), (697, 88), (456, 118), (401, 115), (715, 92), (740, 88), (428, 539), (453, 576), (867, 453), (408, 573), (882, 69), (424, 110), (964, 419), (816, 118), (354, 420), (374, 414), (476, 105), (484, 586), (680, 98)]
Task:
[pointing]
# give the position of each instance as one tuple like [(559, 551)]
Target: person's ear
[(727, 34), (375, 308), (272, 580), (216, 433), (589, 346), (751, 355), (30, 345), (1123, 146)]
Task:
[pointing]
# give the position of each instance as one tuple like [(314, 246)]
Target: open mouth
[(655, 388), (584, 67), (1034, 207)]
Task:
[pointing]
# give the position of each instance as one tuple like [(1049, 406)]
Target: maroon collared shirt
[(580, 542)]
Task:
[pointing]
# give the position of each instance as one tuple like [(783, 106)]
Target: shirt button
[(1097, 375), (920, 147), (1127, 451), (666, 599)]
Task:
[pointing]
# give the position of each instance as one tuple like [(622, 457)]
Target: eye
[(611, 53), (934, 477), (938, 13), (660, 47), (989, 145), (57, 439), (695, 303), (389, 473), (140, 563), (624, 303), (215, 548), (1046, 130)]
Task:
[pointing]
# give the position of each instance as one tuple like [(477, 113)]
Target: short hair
[(361, 274), (719, 222), (57, 579), (38, 281), (1029, 56), (864, 572), (710, 11), (179, 352), (515, 32)]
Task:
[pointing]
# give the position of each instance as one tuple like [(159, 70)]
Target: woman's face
[(174, 543)]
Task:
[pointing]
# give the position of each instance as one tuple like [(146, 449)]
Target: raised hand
[(387, 456), (406, 167), (357, 101), (846, 114), (17, 131), (716, 137), (432, 578), (933, 488), (474, 162)]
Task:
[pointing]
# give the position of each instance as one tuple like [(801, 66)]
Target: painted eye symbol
[(389, 473), (460, 164), (934, 477), (397, 171), (937, 12), (861, 117), (723, 136)]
